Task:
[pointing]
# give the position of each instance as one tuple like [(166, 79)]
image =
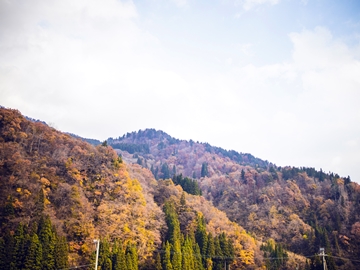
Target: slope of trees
[(286, 204), (78, 192)]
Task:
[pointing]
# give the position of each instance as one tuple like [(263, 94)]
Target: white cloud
[(250, 4), (90, 69), (310, 104), (180, 3), (246, 49)]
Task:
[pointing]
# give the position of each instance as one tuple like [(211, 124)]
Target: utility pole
[(322, 253), (97, 243)]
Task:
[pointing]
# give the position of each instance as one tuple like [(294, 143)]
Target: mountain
[(59, 193), (300, 208), (156, 202)]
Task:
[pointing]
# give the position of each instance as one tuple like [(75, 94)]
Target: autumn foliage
[(88, 192)]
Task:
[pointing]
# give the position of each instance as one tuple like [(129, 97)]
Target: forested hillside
[(59, 193), (301, 209)]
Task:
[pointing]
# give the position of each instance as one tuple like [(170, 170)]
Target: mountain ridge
[(136, 197)]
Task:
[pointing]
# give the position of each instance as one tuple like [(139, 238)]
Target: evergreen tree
[(104, 255), (188, 259), (218, 258), (242, 174), (119, 260), (139, 161), (210, 250), (176, 255), (33, 259), (3, 254), (158, 265), (9, 246), (47, 239), (200, 235), (227, 249), (167, 257), (173, 234), (165, 171), (40, 203), (61, 253), (19, 254), (107, 265), (131, 257), (197, 257), (204, 169), (182, 202), (273, 250)]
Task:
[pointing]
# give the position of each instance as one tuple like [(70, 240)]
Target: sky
[(279, 79)]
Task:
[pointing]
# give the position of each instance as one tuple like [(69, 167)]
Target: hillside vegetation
[(78, 192), (302, 209)]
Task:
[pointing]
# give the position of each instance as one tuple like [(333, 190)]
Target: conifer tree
[(197, 257), (19, 254), (61, 252), (200, 234), (210, 250), (242, 174), (47, 239), (218, 258), (2, 254), (188, 262), (182, 202), (158, 265), (33, 259), (119, 260), (131, 257), (104, 255), (204, 170), (167, 257), (107, 265), (9, 246), (40, 203)]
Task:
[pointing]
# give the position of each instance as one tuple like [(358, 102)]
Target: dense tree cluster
[(117, 256), (33, 248), (197, 250), (275, 255), (189, 185), (131, 147)]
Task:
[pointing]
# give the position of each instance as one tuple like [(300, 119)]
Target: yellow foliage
[(27, 193), (252, 217), (34, 176), (340, 182), (45, 182), (68, 163), (247, 256), (85, 248), (126, 228)]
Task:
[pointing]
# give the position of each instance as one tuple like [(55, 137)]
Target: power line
[(342, 258), (79, 266)]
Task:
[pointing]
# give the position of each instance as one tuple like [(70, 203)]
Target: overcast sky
[(279, 79)]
